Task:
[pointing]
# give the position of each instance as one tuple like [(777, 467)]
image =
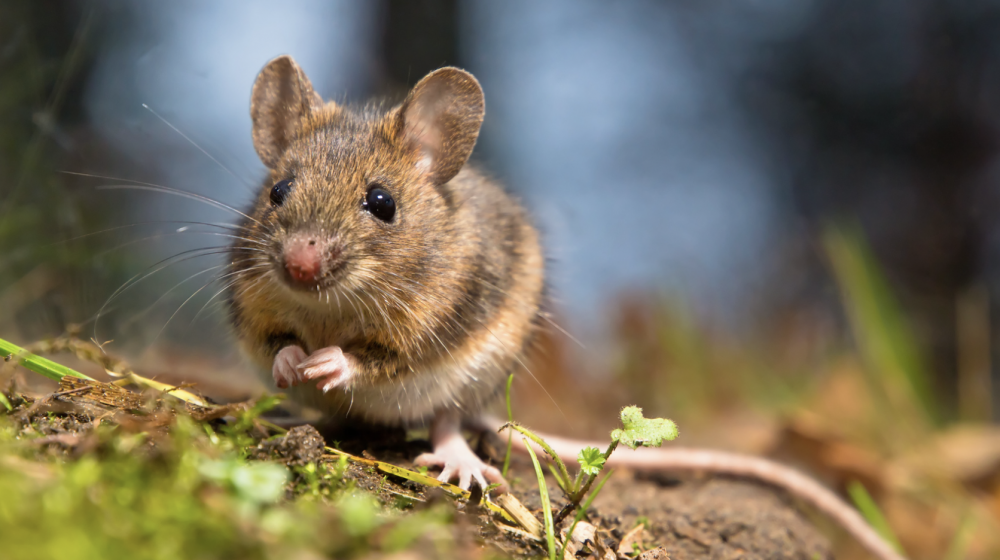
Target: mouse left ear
[(282, 96), (440, 121)]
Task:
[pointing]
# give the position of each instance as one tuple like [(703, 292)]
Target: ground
[(690, 519)]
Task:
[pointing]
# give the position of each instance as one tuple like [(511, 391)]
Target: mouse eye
[(379, 203), (280, 191)]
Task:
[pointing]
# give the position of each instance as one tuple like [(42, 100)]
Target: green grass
[(895, 368), (543, 493), (10, 351), (190, 493), (873, 514)]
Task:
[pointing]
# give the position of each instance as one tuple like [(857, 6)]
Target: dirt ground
[(693, 518)]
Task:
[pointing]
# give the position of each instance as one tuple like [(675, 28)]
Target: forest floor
[(89, 464)]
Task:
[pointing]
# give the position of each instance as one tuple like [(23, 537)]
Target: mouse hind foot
[(454, 457)]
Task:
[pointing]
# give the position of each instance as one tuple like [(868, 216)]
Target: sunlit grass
[(190, 494)]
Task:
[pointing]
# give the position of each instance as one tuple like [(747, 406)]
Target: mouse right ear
[(281, 97), (439, 121)]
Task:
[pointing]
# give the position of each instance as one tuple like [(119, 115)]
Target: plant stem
[(590, 480), (574, 499), (563, 472), (582, 512)]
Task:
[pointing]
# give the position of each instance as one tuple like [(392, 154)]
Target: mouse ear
[(281, 97), (440, 120)]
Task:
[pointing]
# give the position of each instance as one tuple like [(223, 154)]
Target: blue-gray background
[(676, 149)]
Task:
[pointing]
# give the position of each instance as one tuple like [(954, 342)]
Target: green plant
[(543, 493), (510, 418), (636, 431), (867, 506)]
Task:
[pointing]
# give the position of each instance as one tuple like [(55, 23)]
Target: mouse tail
[(680, 459)]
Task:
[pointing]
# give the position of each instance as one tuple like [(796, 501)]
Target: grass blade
[(48, 368), (543, 493), (895, 368), (510, 435), (870, 510), (959, 547)]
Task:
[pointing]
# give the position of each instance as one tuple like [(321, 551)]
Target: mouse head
[(357, 196)]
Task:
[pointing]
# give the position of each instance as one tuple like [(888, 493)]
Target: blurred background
[(776, 222)]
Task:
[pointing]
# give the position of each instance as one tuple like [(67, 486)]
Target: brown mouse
[(379, 276)]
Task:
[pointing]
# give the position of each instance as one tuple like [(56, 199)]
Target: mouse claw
[(284, 368), (329, 365)]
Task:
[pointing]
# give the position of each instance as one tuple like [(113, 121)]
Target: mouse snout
[(305, 257)]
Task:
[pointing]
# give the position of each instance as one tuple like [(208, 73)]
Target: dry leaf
[(582, 533), (627, 544)]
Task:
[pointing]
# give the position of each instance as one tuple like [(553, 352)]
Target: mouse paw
[(283, 370), (456, 460), (330, 366)]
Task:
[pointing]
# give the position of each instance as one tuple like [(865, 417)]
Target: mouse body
[(377, 275)]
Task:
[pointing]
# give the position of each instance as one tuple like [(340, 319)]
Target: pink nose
[(303, 259)]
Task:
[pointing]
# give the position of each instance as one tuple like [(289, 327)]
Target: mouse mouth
[(330, 278)]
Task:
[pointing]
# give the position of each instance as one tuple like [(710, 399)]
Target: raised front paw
[(283, 370), (458, 461), (292, 366), (328, 365)]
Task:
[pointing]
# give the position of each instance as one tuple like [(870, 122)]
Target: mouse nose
[(303, 256)]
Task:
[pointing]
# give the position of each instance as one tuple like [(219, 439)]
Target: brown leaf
[(627, 544)]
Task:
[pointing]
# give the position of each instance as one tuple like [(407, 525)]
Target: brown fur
[(436, 307)]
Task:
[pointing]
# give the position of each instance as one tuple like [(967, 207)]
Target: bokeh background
[(766, 219)]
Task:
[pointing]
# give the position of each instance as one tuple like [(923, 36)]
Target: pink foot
[(283, 370), (330, 366), (453, 456)]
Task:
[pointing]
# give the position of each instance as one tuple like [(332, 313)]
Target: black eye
[(280, 191), (380, 204)]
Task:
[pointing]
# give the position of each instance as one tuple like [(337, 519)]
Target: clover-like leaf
[(647, 432), (591, 460)]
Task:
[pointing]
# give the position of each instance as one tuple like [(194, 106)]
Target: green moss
[(187, 493)]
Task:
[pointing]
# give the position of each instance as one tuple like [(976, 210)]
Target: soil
[(691, 518), (710, 518), (713, 518)]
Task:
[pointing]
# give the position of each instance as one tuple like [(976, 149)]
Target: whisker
[(235, 273), (195, 144), (177, 192), (142, 313), (178, 310), (169, 233), (142, 185), (544, 316), (137, 224), (139, 277), (256, 285), (526, 368)]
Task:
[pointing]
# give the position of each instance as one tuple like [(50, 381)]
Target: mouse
[(378, 275)]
